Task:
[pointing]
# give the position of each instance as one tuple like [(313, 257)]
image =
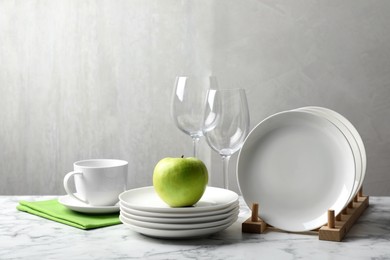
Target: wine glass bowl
[(188, 103)]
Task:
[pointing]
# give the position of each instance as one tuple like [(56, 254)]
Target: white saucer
[(78, 206)]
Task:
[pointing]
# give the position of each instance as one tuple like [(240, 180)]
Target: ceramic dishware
[(296, 165), (351, 139), (177, 234), (354, 132), (98, 182), (178, 226), (144, 212), (180, 218), (146, 199), (82, 207), (188, 215)]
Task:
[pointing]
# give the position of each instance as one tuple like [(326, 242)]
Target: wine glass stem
[(195, 141), (225, 161)]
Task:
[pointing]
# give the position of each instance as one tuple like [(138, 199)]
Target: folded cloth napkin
[(52, 209)]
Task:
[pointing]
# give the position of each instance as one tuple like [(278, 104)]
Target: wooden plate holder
[(335, 230)]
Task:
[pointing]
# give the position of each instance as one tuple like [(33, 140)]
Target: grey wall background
[(93, 79)]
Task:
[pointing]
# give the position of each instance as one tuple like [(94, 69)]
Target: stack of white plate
[(297, 164), (144, 212)]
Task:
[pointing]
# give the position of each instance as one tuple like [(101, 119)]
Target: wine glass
[(188, 103), (226, 123)]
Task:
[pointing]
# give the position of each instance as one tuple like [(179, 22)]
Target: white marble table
[(25, 236)]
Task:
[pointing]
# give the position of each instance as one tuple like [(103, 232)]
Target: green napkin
[(52, 209)]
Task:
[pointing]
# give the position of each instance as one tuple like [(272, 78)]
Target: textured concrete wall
[(335, 54), (93, 79)]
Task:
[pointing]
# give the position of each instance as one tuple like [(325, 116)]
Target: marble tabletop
[(25, 236)]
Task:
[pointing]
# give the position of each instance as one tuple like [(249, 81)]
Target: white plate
[(78, 206), (296, 165), (178, 226), (355, 134), (146, 199), (176, 234), (349, 136), (181, 220), (185, 215)]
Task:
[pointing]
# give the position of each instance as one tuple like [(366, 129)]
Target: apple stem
[(182, 156)]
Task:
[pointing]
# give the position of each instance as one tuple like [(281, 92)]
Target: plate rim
[(354, 133), (168, 209), (179, 215), (351, 140), (180, 226), (175, 234)]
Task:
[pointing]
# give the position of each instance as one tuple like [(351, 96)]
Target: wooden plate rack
[(335, 230)]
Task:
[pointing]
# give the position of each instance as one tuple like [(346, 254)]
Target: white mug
[(98, 182)]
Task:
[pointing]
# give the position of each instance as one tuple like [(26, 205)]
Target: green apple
[(180, 182)]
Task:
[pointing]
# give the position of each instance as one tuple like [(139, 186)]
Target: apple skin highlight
[(180, 182)]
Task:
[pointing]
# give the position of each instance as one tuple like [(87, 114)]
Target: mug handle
[(66, 185)]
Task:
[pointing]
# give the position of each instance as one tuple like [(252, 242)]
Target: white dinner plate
[(146, 199), (177, 234), (349, 136), (78, 206), (355, 134), (182, 220), (186, 215), (178, 226), (296, 165)]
